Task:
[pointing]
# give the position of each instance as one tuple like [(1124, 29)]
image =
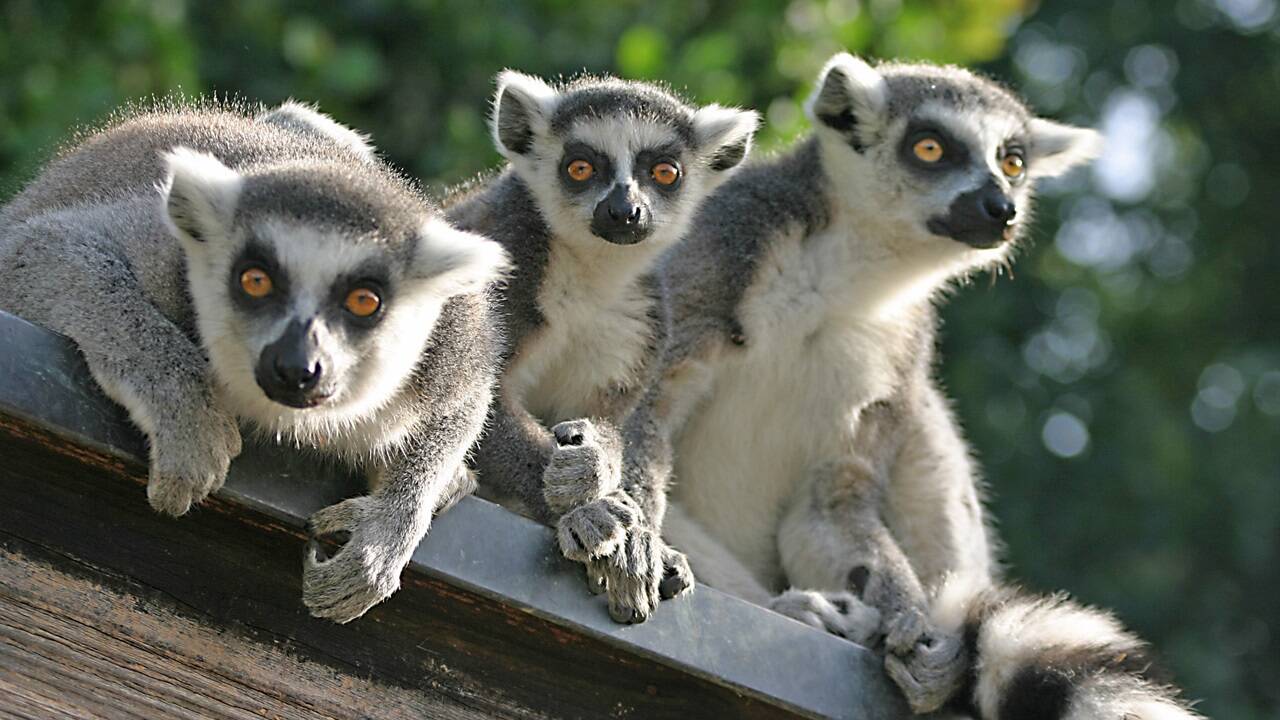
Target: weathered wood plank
[(86, 643), (489, 618)]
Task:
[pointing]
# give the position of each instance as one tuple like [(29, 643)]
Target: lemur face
[(942, 151), (315, 288), (612, 161)]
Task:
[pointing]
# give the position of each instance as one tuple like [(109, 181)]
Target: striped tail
[(1048, 658)]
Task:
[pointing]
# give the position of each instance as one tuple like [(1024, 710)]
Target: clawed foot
[(643, 572), (190, 459), (365, 571), (927, 664), (839, 613)]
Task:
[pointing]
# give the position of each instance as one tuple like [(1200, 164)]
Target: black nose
[(290, 369), (997, 206), (621, 217), (298, 372), (621, 209)]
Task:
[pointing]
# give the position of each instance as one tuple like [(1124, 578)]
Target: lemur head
[(315, 284), (949, 158), (612, 161)]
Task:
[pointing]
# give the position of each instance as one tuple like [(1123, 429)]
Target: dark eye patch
[(954, 152), (372, 274), (258, 254), (647, 158), (602, 175)]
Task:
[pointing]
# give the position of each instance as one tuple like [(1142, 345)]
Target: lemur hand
[(366, 571), (190, 455)]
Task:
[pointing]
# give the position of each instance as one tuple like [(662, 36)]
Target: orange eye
[(581, 170), (1012, 165), (665, 173), (929, 150), (256, 283), (362, 302)]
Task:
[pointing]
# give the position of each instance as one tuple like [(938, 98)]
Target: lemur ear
[(723, 135), (199, 194), (454, 261), (1056, 148), (521, 108), (850, 98), (306, 119)]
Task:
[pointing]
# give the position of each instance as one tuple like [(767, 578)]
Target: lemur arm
[(414, 479), (515, 452)]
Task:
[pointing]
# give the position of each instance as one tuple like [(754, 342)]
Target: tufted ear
[(521, 109), (1056, 148), (850, 98), (723, 135), (199, 194), (454, 261)]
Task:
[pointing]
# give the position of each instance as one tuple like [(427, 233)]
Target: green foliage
[(1123, 393)]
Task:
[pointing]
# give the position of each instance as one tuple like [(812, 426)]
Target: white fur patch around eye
[(621, 138), (199, 195), (456, 262), (313, 258)]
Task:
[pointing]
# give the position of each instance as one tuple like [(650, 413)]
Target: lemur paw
[(190, 459), (839, 613), (927, 664), (365, 571), (584, 467), (598, 528), (643, 572)]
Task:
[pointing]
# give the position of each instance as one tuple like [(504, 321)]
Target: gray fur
[(796, 407), (570, 285), (126, 243)]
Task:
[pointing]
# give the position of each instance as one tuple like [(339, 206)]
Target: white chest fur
[(594, 338), (820, 346)]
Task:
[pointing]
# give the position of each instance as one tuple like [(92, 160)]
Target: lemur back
[(216, 268)]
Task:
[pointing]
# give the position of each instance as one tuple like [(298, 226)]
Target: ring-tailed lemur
[(812, 446), (214, 267), (603, 175)]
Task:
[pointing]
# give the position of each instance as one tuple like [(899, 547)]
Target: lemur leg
[(139, 357), (834, 538), (382, 529)]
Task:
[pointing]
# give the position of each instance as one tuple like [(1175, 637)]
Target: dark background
[(1122, 390)]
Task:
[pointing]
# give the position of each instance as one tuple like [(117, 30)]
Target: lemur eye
[(665, 173), (1013, 165), (928, 149), (581, 170), (256, 283), (362, 302)]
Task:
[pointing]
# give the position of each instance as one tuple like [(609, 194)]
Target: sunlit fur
[(814, 454), (369, 414)]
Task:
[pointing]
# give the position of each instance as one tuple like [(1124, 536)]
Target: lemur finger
[(677, 576), (588, 532), (342, 517), (597, 581), (573, 432), (905, 630)]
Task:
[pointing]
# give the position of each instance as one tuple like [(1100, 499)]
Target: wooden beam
[(489, 621)]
